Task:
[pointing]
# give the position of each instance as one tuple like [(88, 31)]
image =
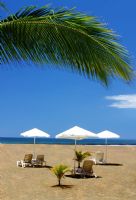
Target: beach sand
[(115, 182)]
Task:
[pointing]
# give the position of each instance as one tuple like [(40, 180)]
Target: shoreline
[(70, 144)]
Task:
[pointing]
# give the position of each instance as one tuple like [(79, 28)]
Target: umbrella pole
[(34, 149), (75, 144), (106, 150), (74, 158)]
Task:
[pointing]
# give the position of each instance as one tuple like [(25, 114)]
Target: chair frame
[(99, 157), (86, 169), (39, 161), (27, 162)]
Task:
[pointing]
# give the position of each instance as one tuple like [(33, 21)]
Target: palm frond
[(3, 6), (60, 170), (65, 38), (80, 156)]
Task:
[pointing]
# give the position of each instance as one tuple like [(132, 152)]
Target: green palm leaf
[(60, 171), (80, 156), (65, 38), (2, 5)]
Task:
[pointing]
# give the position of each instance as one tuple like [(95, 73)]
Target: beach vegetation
[(65, 38), (60, 171), (80, 156)]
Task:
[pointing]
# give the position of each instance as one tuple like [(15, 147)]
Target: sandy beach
[(115, 182)]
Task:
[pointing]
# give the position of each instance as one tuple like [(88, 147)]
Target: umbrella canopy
[(76, 133), (35, 133), (106, 135)]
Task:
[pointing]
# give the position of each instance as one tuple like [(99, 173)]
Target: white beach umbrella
[(76, 133), (35, 133), (106, 135)]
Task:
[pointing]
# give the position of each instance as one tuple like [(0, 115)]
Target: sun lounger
[(39, 162), (26, 162), (99, 157), (87, 169)]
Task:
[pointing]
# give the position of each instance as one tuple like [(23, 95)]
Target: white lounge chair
[(26, 162), (39, 162), (87, 169), (99, 157)]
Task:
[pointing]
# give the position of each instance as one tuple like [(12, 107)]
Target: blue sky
[(54, 100)]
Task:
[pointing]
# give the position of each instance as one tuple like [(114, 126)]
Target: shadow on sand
[(63, 186), (110, 164), (78, 176), (48, 166), (36, 166)]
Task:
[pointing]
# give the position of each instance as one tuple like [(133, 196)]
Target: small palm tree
[(60, 171), (80, 156)]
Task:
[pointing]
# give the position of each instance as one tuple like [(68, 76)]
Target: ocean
[(19, 140)]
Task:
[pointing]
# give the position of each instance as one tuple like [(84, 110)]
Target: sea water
[(20, 140)]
